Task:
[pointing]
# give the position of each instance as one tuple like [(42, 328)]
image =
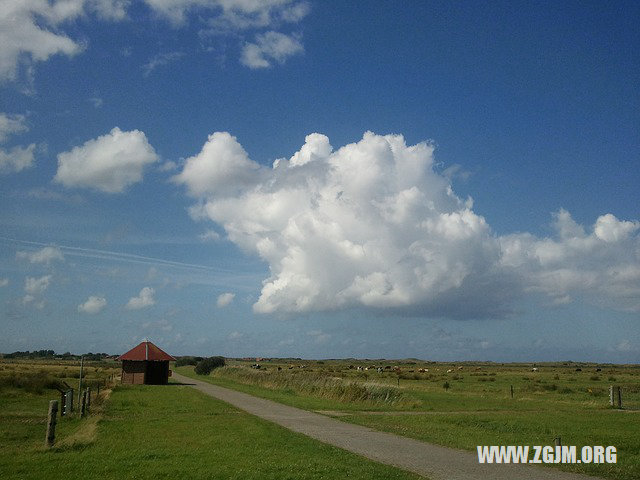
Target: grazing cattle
[(578, 369), (256, 366), (380, 369), (534, 369), (449, 371), (459, 368), (598, 369)]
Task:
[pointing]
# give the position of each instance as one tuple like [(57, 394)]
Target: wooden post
[(63, 404), (557, 441), (70, 399), (88, 399), (619, 397), (511, 391), (83, 404), (80, 381), (51, 423)]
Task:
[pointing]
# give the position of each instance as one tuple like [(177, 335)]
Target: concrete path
[(431, 461)]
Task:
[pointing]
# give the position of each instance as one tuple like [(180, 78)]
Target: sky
[(292, 178)]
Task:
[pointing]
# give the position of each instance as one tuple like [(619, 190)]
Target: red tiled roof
[(146, 351)]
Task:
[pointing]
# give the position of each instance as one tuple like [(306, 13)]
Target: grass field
[(170, 432), (476, 408)]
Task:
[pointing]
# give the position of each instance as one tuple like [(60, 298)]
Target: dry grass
[(319, 385)]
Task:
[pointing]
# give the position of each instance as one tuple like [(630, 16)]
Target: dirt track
[(431, 461)]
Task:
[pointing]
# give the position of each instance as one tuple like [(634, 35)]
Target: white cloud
[(45, 255), (30, 31), (221, 167), (4, 282), (109, 163), (143, 300), (235, 335), (319, 336), (225, 299), (160, 60), (18, 158), (603, 266), (268, 47), (93, 305), (210, 236), (11, 125), (36, 286), (374, 225), (97, 102), (624, 346), (233, 14)]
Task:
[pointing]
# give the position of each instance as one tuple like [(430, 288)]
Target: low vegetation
[(204, 366), (319, 385), (150, 432), (463, 405)]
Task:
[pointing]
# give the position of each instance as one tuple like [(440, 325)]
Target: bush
[(182, 361), (205, 365)]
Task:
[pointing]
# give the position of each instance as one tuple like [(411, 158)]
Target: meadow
[(147, 432), (462, 405)]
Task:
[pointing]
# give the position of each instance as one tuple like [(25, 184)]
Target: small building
[(146, 364)]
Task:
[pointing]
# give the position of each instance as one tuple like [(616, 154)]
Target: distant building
[(146, 364)]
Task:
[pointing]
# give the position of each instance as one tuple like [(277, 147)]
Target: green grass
[(477, 409), (167, 432)]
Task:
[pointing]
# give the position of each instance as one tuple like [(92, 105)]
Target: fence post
[(611, 395), (83, 404), (63, 404), (51, 423), (88, 398), (80, 380), (511, 391), (619, 397), (70, 399)]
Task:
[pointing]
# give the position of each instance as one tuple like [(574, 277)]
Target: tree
[(205, 365)]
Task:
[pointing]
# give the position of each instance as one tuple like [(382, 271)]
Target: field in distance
[(461, 405)]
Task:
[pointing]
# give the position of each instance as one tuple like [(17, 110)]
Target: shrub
[(205, 365), (182, 361)]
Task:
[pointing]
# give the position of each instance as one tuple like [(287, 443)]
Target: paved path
[(431, 461)]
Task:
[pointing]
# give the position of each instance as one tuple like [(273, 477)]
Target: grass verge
[(171, 432)]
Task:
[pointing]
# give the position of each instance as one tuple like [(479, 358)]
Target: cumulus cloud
[(45, 255), (17, 158), (373, 225), (143, 300), (36, 286), (93, 305), (225, 299), (109, 163), (30, 31), (222, 166), (602, 265), (268, 47)]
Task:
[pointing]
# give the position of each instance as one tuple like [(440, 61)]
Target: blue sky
[(441, 180)]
